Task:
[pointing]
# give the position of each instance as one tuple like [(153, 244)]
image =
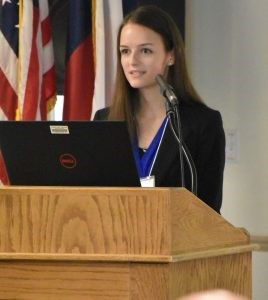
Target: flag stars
[(12, 2), (5, 1)]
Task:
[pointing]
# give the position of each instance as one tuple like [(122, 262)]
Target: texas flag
[(79, 70)]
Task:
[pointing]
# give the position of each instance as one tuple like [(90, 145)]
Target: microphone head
[(166, 90)]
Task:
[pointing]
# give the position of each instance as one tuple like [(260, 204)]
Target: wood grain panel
[(135, 221), (61, 281), (196, 226), (143, 281), (232, 272), (149, 281), (83, 221)]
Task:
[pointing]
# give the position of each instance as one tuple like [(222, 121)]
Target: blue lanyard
[(145, 163)]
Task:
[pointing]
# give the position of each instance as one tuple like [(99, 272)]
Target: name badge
[(148, 181)]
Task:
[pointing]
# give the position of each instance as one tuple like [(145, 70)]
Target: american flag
[(37, 89), (8, 59), (27, 73)]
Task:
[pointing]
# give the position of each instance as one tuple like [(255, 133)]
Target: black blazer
[(204, 136)]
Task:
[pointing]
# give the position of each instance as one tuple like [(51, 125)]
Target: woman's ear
[(171, 59)]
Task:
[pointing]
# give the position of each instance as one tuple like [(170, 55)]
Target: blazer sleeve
[(210, 161), (101, 114)]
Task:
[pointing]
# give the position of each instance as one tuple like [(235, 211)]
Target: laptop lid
[(73, 153)]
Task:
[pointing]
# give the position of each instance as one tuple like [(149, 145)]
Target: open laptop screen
[(72, 153)]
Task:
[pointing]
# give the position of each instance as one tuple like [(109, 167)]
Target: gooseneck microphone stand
[(172, 111)]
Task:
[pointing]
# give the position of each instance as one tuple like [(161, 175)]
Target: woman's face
[(143, 55)]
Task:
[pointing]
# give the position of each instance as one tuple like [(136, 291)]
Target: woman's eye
[(146, 50), (124, 51)]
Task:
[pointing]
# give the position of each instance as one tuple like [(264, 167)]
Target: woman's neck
[(149, 116), (151, 105)]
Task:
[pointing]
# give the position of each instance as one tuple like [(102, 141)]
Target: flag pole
[(18, 111)]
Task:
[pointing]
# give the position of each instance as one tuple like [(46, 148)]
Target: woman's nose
[(134, 59)]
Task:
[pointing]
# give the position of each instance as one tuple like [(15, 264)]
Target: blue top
[(145, 162)]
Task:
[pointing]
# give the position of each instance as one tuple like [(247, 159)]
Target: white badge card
[(148, 181)]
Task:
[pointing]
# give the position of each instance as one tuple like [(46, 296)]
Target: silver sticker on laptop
[(59, 129)]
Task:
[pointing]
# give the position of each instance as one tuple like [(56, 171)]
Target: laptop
[(72, 153)]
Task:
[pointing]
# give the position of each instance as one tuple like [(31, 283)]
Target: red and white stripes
[(27, 78), (8, 80), (36, 62)]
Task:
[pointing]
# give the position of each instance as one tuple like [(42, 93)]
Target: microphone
[(175, 124), (166, 90)]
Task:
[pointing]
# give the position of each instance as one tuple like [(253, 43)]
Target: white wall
[(227, 49)]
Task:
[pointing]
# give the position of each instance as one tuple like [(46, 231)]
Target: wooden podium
[(116, 243)]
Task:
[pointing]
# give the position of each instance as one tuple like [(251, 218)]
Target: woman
[(149, 44)]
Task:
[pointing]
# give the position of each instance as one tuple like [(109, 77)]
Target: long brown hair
[(154, 18)]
